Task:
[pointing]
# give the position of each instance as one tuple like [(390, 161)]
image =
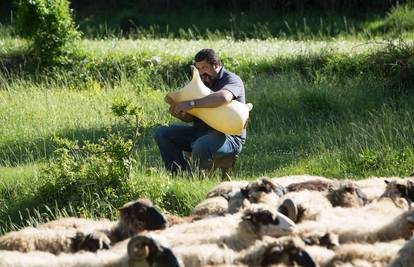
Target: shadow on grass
[(28, 151)]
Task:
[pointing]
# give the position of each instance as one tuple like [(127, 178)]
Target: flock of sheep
[(287, 221)]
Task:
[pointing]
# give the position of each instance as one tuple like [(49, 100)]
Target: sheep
[(264, 252), (405, 256), (215, 240), (216, 206), (377, 254), (236, 230), (263, 190), (347, 194), (225, 188), (378, 221), (373, 187), (309, 204), (217, 201), (286, 180), (64, 236), (311, 185), (231, 197), (399, 189), (115, 256), (74, 223), (286, 251)]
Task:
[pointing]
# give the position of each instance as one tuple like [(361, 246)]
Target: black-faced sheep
[(230, 197), (215, 240), (286, 251), (263, 190), (115, 256), (54, 237), (399, 189)]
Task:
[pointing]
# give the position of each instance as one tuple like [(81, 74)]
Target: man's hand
[(184, 116), (182, 107)]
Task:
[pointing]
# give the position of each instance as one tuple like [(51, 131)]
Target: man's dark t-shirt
[(232, 83)]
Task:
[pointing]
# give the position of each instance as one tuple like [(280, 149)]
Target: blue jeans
[(203, 144)]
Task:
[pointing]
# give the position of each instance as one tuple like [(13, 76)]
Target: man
[(200, 139)]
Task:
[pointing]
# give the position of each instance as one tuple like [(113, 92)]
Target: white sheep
[(116, 256), (212, 206), (286, 180), (225, 188), (377, 221), (373, 187), (355, 254)]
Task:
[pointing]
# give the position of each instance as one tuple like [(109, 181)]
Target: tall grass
[(254, 24)]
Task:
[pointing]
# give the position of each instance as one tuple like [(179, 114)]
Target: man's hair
[(209, 54)]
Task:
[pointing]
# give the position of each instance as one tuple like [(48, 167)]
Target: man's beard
[(207, 79)]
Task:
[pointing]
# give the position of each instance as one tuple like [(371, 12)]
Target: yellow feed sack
[(229, 118)]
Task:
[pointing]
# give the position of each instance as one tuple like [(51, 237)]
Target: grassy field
[(330, 107)]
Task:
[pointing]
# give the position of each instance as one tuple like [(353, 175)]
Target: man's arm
[(213, 100)]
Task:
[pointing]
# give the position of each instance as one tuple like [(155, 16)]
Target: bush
[(80, 173), (50, 26)]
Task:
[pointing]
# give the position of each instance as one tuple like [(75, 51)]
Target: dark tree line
[(6, 6), (285, 5)]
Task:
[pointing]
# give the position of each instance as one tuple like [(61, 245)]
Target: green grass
[(196, 24), (259, 24)]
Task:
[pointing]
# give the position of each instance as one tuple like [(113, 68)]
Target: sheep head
[(147, 249), (288, 252), (263, 191), (266, 221), (399, 189), (347, 194), (90, 242), (140, 215)]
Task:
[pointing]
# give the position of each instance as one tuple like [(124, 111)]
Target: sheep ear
[(362, 196), (386, 181), (302, 258)]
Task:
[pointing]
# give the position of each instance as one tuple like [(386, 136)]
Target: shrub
[(81, 173), (50, 26)]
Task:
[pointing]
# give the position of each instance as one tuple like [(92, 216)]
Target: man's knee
[(160, 133), (200, 150)]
